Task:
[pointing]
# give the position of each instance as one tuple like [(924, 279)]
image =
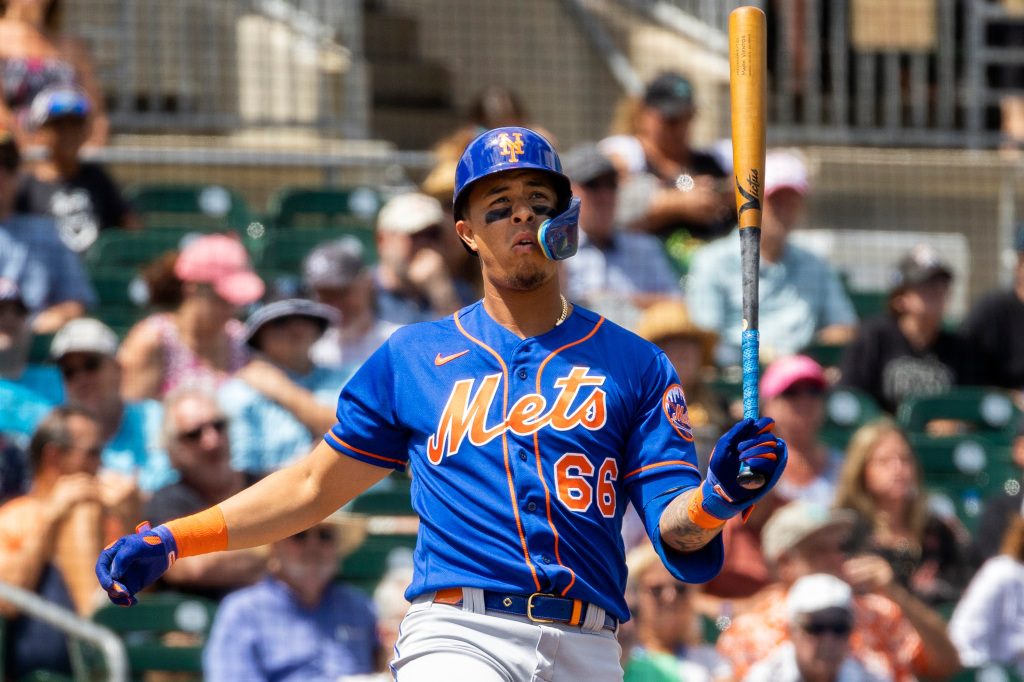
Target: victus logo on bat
[(753, 196), (579, 402)]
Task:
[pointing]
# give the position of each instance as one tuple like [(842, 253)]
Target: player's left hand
[(134, 562), (748, 442)]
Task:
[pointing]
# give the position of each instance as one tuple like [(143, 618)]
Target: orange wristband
[(700, 518), (200, 533)]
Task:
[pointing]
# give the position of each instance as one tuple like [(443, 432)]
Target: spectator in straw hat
[(820, 612), (198, 341), (281, 401), (297, 623), (336, 274), (690, 349)]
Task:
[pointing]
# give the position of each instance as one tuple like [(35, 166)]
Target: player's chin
[(527, 276)]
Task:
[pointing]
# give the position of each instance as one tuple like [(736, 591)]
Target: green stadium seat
[(989, 673), (367, 565), (983, 410), (201, 207), (142, 628), (287, 248), (846, 410), (825, 354), (868, 304), (394, 499), (134, 249), (324, 207)]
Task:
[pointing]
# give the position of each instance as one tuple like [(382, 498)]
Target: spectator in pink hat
[(793, 393), (199, 340)]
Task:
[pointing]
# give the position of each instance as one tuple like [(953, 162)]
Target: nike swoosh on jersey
[(440, 360)]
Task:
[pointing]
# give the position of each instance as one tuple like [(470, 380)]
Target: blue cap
[(504, 149), (61, 101)]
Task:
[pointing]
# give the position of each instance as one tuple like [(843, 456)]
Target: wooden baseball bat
[(747, 77)]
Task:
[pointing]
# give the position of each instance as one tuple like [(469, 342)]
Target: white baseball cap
[(409, 213), (84, 335), (783, 169), (817, 592)]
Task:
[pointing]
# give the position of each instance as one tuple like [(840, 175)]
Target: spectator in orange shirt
[(895, 633), (49, 536)]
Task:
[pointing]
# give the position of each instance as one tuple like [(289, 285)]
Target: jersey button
[(521, 373), (522, 455), (531, 506)]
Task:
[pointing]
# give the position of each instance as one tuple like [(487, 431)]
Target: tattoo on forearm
[(679, 532)]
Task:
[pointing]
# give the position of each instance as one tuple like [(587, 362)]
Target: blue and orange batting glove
[(134, 562), (720, 497)]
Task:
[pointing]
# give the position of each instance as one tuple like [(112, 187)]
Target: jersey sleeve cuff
[(344, 448)]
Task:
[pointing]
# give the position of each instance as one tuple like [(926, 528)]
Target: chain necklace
[(565, 311)]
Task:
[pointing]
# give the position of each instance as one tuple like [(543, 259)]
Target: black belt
[(537, 607)]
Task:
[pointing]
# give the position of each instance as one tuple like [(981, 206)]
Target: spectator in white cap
[(819, 608), (412, 280), (894, 633), (281, 401), (27, 390), (79, 195), (85, 351), (198, 341), (336, 274), (802, 298)]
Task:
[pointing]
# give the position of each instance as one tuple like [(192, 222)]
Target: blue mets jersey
[(525, 452)]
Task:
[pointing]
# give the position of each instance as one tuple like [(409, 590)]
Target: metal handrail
[(108, 643)]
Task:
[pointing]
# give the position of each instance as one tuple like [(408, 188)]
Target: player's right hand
[(748, 442), (134, 562)]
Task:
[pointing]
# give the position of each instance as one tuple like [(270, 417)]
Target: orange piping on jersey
[(536, 453), (504, 445), (362, 452), (670, 462)]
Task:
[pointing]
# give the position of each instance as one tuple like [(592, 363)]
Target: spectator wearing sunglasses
[(297, 623), (615, 271), (281, 402), (669, 643), (412, 279), (894, 633), (85, 351), (820, 612), (195, 434)]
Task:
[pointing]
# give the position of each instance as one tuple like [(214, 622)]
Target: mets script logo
[(512, 146), (674, 405), (579, 402)]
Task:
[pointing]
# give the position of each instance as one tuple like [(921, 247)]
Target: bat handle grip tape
[(750, 345)]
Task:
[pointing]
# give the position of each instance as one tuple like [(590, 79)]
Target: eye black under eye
[(497, 214), (544, 210)]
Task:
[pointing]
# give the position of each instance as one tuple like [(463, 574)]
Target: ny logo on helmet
[(512, 146)]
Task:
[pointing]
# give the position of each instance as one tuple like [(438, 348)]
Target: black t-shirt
[(997, 513), (81, 206), (701, 163), (881, 362), (996, 328)]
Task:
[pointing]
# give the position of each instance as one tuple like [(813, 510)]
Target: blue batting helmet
[(503, 149)]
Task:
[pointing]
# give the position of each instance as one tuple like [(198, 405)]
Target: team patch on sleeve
[(673, 404)]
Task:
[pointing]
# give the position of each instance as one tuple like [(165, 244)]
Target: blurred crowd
[(850, 570)]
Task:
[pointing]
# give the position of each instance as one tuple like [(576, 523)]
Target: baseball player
[(528, 425)]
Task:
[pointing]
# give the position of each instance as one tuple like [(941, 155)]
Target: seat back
[(980, 410), (846, 410), (199, 207), (144, 626), (324, 207)]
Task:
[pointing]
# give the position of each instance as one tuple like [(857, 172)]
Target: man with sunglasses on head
[(195, 435), (85, 351), (614, 270), (412, 279)]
